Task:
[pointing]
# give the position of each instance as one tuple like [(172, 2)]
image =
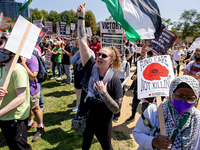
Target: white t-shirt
[(193, 67), (177, 55)]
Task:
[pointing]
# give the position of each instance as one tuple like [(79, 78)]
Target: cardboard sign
[(67, 30), (73, 26), (189, 39), (194, 45), (111, 34), (154, 76), (49, 26), (138, 50), (62, 28), (178, 41), (160, 45), (17, 35)]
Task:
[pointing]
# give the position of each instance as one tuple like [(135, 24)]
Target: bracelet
[(82, 18)]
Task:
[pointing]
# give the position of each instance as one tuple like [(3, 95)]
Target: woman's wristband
[(81, 18)]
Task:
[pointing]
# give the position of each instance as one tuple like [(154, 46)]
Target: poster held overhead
[(21, 42)]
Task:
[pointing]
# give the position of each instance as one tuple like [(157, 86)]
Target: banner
[(41, 35), (194, 45), (38, 23), (73, 26), (67, 30), (154, 76), (88, 31), (49, 26), (111, 35), (58, 28), (62, 28), (160, 45)]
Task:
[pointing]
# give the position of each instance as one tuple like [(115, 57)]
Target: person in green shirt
[(57, 51), (15, 106)]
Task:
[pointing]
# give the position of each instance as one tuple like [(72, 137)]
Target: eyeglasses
[(102, 55), (179, 96)]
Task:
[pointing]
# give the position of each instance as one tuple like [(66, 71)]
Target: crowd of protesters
[(100, 77)]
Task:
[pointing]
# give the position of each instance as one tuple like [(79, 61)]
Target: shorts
[(34, 100)]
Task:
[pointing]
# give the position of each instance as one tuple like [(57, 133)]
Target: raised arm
[(82, 37)]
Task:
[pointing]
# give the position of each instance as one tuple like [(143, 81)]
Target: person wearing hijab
[(182, 119)]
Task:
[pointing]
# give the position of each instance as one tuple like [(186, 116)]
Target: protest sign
[(138, 50), (22, 42), (111, 34), (62, 28), (154, 76), (38, 23), (73, 26), (58, 28), (49, 26), (41, 35), (160, 45), (16, 37), (178, 41), (189, 39), (194, 45), (67, 30), (88, 31)]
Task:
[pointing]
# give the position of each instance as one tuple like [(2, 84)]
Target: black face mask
[(4, 58)]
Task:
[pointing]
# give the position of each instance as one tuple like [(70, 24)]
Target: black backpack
[(42, 73)]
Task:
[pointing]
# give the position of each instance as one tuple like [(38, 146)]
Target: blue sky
[(169, 9)]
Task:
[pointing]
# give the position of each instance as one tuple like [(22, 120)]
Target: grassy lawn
[(59, 101)]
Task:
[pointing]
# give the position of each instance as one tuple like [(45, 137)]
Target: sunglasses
[(102, 55), (197, 50)]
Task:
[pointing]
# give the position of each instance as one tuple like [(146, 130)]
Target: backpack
[(42, 73)]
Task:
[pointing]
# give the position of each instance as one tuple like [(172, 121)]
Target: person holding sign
[(15, 106), (182, 119), (101, 92)]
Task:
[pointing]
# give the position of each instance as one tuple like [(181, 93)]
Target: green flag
[(24, 5)]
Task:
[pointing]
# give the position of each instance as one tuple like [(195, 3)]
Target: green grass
[(59, 101)]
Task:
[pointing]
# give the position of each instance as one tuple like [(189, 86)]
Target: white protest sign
[(63, 28), (58, 28), (67, 30), (73, 26), (17, 35), (38, 23), (49, 26), (111, 34), (88, 31), (195, 44), (154, 76), (138, 50)]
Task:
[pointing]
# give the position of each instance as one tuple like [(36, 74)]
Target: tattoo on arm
[(82, 31), (110, 103)]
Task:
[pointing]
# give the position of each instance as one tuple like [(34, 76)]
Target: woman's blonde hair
[(115, 56)]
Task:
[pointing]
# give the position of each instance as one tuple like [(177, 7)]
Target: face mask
[(4, 57), (181, 106)]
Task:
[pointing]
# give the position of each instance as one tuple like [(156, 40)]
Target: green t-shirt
[(57, 58), (19, 79)]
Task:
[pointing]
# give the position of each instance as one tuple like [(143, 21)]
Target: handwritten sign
[(189, 39), (154, 76)]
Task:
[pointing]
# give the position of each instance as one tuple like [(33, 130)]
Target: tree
[(109, 19), (36, 14), (69, 17), (45, 15), (188, 25), (90, 21), (98, 26), (54, 17), (167, 23)]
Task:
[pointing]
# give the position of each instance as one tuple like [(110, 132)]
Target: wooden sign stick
[(5, 85), (161, 116)]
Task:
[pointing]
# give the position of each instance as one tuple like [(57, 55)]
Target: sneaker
[(59, 78), (52, 78), (75, 109), (38, 134), (31, 126), (130, 119), (67, 84), (115, 119)]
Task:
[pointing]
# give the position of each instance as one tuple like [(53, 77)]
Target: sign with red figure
[(154, 76)]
